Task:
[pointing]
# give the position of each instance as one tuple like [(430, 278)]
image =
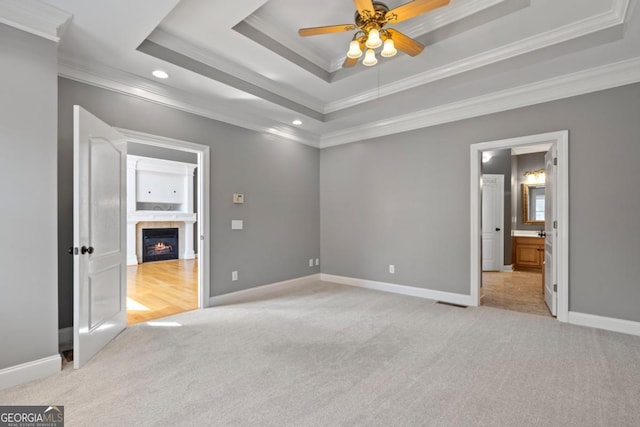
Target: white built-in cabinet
[(159, 195)]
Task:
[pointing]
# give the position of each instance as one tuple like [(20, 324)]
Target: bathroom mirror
[(533, 204)]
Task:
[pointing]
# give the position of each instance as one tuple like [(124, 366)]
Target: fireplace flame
[(162, 247)]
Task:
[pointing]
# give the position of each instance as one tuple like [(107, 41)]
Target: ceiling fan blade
[(364, 5), (405, 43), (413, 8), (314, 31), (349, 62)]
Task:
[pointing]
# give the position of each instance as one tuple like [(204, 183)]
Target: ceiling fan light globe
[(354, 50), (373, 39), (389, 49), (370, 58)]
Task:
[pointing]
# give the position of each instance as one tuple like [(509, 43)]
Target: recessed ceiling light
[(297, 122), (160, 74)]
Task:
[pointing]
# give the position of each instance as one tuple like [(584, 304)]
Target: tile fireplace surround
[(159, 195)]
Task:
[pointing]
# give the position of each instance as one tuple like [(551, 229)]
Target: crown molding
[(35, 17), (446, 15), (613, 17), (579, 83), (170, 41), (128, 84)]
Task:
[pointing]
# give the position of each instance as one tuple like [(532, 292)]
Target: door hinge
[(555, 224), (555, 288), (555, 161)]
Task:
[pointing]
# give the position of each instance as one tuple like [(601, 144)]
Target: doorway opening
[(167, 239), (520, 262), (512, 246)]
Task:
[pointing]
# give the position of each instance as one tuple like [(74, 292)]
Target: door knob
[(86, 250), (497, 229)]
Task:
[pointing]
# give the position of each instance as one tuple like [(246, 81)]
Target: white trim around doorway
[(561, 139), (204, 234)]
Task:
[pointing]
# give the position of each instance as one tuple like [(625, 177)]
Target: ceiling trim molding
[(579, 83), (613, 17), (446, 15), (170, 97), (35, 17), (169, 41)]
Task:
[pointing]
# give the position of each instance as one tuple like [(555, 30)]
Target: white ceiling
[(242, 61)]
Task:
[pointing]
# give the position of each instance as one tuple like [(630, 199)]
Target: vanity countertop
[(525, 233)]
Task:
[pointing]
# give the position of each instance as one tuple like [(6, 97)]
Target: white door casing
[(492, 222), (550, 215), (203, 217), (99, 218), (561, 202)]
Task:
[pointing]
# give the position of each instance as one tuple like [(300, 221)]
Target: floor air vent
[(452, 304)]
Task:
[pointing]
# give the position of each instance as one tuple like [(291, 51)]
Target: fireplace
[(159, 244)]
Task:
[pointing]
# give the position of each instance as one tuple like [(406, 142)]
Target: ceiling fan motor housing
[(377, 20)]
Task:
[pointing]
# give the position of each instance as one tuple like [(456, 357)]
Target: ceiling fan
[(371, 17)]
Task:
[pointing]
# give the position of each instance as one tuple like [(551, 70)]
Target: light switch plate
[(237, 224), (238, 198)]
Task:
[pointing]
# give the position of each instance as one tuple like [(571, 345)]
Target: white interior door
[(492, 220), (99, 215), (550, 216)]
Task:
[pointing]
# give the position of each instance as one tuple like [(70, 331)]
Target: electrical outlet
[(310, 262), (392, 269), (317, 261), (234, 276)]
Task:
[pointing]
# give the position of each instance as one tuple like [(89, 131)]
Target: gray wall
[(161, 153), (404, 200), (28, 259), (279, 178), (500, 163)]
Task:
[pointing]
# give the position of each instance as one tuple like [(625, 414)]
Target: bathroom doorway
[(515, 280), (518, 282)]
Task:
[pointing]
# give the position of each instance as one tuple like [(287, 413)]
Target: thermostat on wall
[(238, 198)]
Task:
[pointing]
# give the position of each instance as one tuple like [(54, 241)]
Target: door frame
[(202, 217), (500, 209), (561, 139)]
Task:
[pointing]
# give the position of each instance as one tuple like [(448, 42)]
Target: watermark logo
[(31, 416)]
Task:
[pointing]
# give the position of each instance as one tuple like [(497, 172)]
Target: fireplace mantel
[(159, 195)]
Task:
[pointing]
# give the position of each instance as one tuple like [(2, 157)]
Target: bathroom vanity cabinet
[(528, 253)]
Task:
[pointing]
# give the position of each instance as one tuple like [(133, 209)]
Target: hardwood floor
[(159, 289), (518, 291)]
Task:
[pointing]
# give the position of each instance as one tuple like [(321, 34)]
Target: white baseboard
[(608, 323), (507, 268), (30, 371), (65, 338), (262, 290), (449, 297)]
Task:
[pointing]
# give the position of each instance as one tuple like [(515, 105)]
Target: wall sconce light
[(535, 176)]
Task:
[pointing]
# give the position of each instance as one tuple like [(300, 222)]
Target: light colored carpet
[(329, 354)]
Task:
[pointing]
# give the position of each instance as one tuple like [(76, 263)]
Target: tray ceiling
[(242, 62)]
